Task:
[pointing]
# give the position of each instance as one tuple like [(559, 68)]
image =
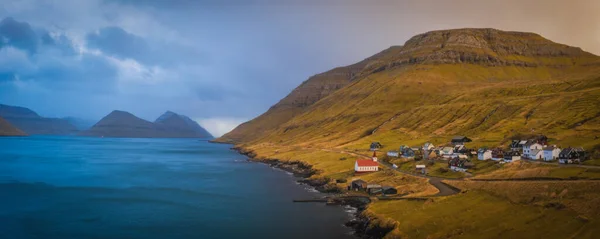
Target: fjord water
[(75, 187)]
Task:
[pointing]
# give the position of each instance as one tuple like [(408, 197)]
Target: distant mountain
[(7, 129), (126, 125), (31, 123), (181, 125), (80, 124)]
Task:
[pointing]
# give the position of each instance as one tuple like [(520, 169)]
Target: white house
[(393, 154), (536, 154), (484, 154), (512, 156), (428, 146), (447, 152), (528, 147), (551, 153), (366, 165)]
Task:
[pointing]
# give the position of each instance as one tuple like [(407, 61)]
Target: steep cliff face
[(6, 129), (310, 91), (485, 83), (32, 123)]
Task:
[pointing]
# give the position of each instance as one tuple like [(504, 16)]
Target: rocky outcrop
[(7, 129), (33, 124)]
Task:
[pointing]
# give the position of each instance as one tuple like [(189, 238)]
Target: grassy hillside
[(487, 84)]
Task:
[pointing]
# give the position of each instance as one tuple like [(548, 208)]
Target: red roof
[(366, 163)]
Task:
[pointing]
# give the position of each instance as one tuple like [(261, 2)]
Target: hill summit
[(485, 83), (124, 124)]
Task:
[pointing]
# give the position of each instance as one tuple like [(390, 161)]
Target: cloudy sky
[(225, 62)]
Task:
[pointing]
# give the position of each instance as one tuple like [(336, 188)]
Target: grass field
[(524, 169), (477, 214)]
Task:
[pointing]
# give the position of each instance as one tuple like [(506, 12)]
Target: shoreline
[(361, 221)]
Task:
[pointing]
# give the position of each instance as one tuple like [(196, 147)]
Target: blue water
[(71, 187)]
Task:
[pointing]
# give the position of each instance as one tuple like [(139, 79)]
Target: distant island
[(123, 124), (31, 123)]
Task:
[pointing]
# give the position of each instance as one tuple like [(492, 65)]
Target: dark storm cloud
[(117, 42), (18, 34)]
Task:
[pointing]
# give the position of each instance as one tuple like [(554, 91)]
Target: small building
[(408, 152), (388, 190), (551, 153), (571, 155), (497, 154), (529, 146), (460, 140), (536, 154), (421, 168), (428, 146), (515, 145), (365, 165), (373, 188), (446, 152), (512, 156), (393, 154), (375, 146), (484, 154), (358, 185)]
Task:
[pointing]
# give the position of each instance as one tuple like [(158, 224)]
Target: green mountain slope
[(484, 83)]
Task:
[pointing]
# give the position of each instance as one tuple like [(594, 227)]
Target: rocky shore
[(364, 223)]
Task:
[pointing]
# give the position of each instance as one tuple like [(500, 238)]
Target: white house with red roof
[(366, 165)]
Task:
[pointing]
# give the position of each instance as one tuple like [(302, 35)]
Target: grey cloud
[(18, 34)]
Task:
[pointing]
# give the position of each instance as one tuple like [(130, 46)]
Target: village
[(460, 158)]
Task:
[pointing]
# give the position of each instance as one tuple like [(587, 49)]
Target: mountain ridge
[(32, 123), (124, 124), (472, 80)]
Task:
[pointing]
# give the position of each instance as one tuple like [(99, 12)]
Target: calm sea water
[(71, 187)]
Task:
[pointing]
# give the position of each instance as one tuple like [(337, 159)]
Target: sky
[(226, 62)]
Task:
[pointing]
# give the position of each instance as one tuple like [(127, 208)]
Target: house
[(460, 165), (373, 188), (536, 154), (421, 168), (393, 154), (529, 146), (515, 145), (446, 152), (512, 156), (428, 146), (497, 154), (358, 185), (484, 154), (551, 153), (460, 140), (521, 145), (375, 146), (366, 165), (460, 149), (571, 155), (408, 152), (386, 190)]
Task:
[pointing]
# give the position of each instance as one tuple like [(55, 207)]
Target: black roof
[(359, 181)]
